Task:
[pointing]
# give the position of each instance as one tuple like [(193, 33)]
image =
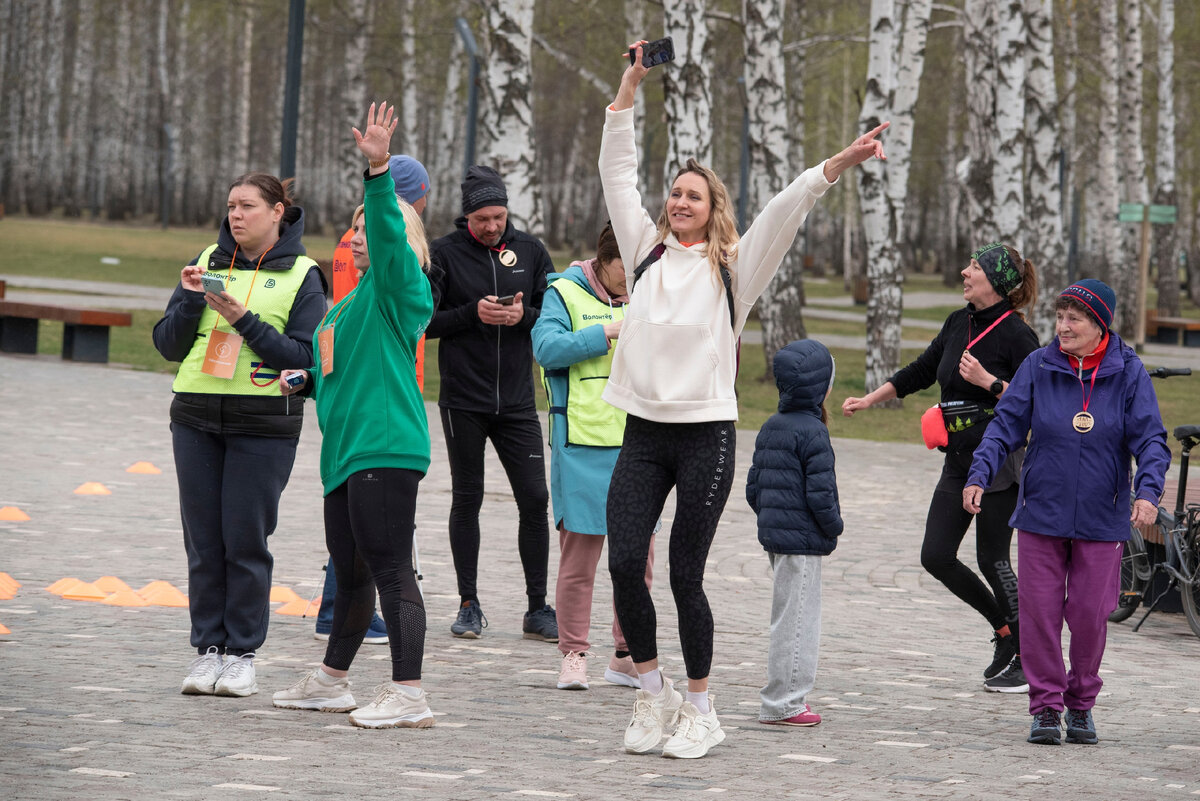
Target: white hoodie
[(676, 358)]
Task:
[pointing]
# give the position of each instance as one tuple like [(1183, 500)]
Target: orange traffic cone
[(112, 584), (283, 595), (12, 514), (300, 608), (92, 488), (125, 598), (84, 592), (143, 467), (62, 585)]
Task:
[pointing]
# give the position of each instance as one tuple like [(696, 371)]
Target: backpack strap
[(656, 254)]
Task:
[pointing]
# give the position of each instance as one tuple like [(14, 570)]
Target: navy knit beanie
[(1096, 296), (410, 177), (482, 187)]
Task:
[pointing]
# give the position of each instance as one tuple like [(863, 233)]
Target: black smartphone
[(660, 51), (507, 300), (295, 379)]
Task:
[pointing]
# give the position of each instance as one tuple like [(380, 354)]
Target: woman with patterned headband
[(973, 358)]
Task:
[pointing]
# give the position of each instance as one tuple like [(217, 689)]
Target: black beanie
[(482, 187)]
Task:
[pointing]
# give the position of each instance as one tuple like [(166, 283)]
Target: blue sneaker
[(376, 632), (541, 624), (470, 622), (1080, 727), (1046, 728)]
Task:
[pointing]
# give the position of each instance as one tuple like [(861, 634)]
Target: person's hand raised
[(374, 141), (864, 147), (631, 78)]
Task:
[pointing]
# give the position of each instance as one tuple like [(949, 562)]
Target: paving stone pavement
[(89, 694)]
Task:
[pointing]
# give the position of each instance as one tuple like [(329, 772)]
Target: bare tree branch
[(567, 60)]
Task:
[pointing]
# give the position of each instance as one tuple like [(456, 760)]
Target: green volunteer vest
[(590, 419), (273, 294)]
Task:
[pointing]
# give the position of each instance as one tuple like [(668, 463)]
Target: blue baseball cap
[(410, 177)]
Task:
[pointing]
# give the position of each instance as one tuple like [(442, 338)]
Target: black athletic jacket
[(485, 368)]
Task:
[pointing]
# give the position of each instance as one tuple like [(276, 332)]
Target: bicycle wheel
[(1189, 557), (1135, 576)]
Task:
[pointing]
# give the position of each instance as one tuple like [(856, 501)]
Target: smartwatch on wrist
[(997, 387)]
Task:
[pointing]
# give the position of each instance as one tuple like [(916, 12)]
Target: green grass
[(153, 257)]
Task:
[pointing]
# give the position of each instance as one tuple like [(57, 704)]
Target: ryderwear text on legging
[(697, 460)]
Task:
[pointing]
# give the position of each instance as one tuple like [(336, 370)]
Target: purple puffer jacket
[(1077, 485)]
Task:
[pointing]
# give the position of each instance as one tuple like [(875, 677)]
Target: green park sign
[(1136, 212)]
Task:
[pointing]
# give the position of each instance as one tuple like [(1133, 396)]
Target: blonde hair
[(721, 237), (413, 227)]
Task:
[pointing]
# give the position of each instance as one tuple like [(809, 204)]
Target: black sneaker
[(470, 622), (1080, 727), (1005, 650), (1046, 728), (1010, 680), (541, 624)]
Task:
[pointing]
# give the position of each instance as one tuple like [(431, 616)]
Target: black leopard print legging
[(696, 459)]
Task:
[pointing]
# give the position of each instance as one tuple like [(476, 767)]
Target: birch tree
[(779, 307), (353, 91), (636, 26), (1108, 236), (1008, 168), (1165, 239), (1132, 163), (895, 60), (445, 161), (410, 92), (78, 122), (979, 57), (687, 90), (1044, 244), (509, 119)]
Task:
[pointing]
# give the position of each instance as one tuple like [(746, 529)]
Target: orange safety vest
[(345, 278)]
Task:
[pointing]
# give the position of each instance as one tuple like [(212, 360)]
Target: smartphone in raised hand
[(660, 51), (212, 283)]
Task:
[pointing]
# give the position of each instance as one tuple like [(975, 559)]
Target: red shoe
[(805, 718)]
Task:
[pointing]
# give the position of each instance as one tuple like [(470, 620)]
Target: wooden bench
[(85, 331), (1172, 330)]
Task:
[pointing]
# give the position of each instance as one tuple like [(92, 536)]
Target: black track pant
[(369, 532), (697, 460), (517, 439), (945, 527)]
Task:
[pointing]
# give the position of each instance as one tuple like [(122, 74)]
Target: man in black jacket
[(490, 278)]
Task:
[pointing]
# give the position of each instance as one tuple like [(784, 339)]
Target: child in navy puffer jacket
[(793, 490)]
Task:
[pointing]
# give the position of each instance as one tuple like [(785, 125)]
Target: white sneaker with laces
[(621, 671), (573, 675), (237, 676), (394, 708), (695, 734), (311, 693), (202, 673), (652, 715)]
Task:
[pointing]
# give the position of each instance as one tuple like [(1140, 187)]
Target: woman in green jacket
[(375, 451)]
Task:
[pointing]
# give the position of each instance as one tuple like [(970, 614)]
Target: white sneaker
[(394, 708), (311, 693), (621, 671), (237, 676), (652, 715), (573, 675), (202, 673), (695, 734)]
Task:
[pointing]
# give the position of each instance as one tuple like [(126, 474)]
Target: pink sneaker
[(805, 718), (621, 671), (573, 675)]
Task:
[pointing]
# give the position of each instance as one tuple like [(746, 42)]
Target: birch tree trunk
[(1044, 244), (1165, 239), (1132, 164), (510, 113), (895, 61), (79, 121), (1069, 137), (687, 90), (1008, 168), (410, 102), (353, 93), (241, 139), (979, 57), (636, 28), (766, 92), (1108, 236), (446, 160)]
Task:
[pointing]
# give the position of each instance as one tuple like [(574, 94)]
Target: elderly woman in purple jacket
[(1087, 405)]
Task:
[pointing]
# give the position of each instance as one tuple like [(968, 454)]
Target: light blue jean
[(795, 635)]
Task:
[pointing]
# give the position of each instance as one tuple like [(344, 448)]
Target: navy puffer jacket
[(791, 486)]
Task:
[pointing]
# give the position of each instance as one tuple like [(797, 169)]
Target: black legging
[(945, 527), (696, 459), (369, 531), (517, 439)]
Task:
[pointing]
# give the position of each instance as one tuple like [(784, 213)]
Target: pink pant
[(580, 553), (1076, 581)]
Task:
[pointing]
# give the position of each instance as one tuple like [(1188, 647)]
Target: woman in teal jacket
[(573, 341), (374, 452)]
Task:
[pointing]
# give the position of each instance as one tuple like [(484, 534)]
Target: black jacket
[(1000, 352), (485, 368), (791, 485), (176, 333)]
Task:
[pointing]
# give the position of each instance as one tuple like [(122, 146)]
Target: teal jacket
[(370, 408)]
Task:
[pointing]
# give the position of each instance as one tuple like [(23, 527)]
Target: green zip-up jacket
[(369, 407)]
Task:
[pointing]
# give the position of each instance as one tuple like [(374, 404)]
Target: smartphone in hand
[(212, 283), (295, 379), (660, 51), (507, 300)]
